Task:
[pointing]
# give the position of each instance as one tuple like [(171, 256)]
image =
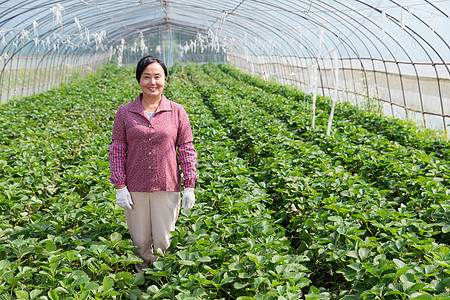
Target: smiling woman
[(145, 165), (152, 80)]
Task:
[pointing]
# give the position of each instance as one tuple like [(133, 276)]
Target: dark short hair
[(144, 62)]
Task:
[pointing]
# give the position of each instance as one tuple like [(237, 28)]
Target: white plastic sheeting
[(391, 54)]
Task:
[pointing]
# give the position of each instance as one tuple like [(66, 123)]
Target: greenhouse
[(321, 129)]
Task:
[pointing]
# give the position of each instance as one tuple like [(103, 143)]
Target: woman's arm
[(117, 158), (118, 150), (188, 162)]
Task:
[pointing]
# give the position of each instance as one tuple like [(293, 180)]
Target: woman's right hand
[(123, 197)]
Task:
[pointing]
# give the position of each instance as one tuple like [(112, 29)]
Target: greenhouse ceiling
[(277, 39), (412, 31)]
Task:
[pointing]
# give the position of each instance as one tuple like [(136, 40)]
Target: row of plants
[(403, 132), (244, 122), (282, 212), (409, 176), (425, 176), (228, 246), (61, 236)]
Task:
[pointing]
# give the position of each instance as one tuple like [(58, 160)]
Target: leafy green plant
[(282, 212)]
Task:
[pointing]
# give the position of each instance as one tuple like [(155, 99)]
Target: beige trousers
[(150, 221)]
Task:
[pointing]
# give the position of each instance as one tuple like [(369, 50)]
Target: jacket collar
[(136, 105)]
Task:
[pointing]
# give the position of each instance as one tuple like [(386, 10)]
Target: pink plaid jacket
[(143, 154)]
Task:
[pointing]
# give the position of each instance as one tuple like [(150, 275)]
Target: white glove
[(188, 199), (123, 198)]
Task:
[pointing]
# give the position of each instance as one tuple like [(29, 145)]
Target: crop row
[(348, 200), (384, 164), (392, 129), (408, 176), (282, 211), (284, 171), (229, 246), (61, 236)]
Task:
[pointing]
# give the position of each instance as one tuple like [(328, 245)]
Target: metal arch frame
[(135, 30), (322, 25), (242, 2), (171, 28), (96, 15), (116, 33), (5, 49), (369, 38), (199, 29), (246, 28), (164, 21), (262, 28), (310, 18), (17, 50), (312, 45), (437, 8), (416, 72), (46, 17), (397, 22), (288, 34), (399, 72), (93, 19), (420, 36), (350, 45), (392, 54), (109, 12), (352, 28), (246, 22), (45, 34), (417, 79), (249, 28), (434, 65), (337, 35), (245, 17), (103, 12)]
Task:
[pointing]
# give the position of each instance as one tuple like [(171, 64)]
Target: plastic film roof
[(406, 38), (413, 31)]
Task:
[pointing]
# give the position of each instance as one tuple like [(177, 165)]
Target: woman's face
[(153, 80)]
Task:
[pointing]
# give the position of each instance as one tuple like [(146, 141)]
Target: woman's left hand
[(188, 199)]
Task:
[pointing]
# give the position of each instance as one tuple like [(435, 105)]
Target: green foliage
[(282, 212), (61, 237)]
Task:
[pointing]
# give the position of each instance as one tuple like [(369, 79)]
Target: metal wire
[(278, 38)]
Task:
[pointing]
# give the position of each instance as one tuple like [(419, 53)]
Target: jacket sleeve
[(117, 159), (188, 162), (118, 150)]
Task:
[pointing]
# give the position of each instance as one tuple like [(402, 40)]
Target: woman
[(145, 166)]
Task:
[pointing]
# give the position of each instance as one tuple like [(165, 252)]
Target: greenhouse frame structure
[(384, 55)]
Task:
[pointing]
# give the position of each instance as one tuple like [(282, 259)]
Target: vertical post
[(314, 87), (315, 79), (336, 81)]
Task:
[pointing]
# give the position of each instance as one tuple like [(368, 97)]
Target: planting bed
[(283, 211)]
